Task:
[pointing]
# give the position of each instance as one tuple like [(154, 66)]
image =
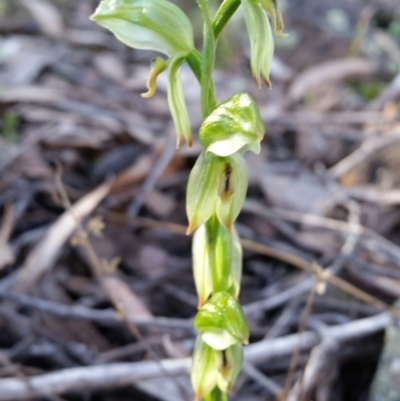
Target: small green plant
[(218, 182)]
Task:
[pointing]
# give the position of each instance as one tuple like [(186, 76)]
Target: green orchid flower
[(235, 125), (221, 322)]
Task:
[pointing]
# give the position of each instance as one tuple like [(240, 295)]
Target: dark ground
[(324, 192)]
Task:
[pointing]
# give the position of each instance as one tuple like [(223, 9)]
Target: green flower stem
[(216, 395), (223, 15), (212, 229), (208, 101), (194, 61)]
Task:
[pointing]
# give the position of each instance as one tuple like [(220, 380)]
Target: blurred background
[(92, 208)]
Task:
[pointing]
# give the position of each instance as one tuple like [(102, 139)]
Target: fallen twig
[(122, 374)]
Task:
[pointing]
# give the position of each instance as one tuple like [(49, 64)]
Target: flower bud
[(221, 322), (261, 41), (205, 364), (233, 126), (232, 361), (147, 24), (232, 191), (158, 66), (176, 100)]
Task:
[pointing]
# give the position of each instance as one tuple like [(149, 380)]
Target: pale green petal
[(229, 372), (205, 364), (220, 339), (201, 265), (147, 24), (202, 189), (261, 41)]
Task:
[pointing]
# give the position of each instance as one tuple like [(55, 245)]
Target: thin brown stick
[(286, 257), (121, 374), (105, 317), (8, 222), (296, 353)]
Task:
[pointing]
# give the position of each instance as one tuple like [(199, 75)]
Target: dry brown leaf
[(131, 305), (134, 174), (302, 192), (332, 70), (110, 66), (388, 285), (153, 260), (34, 94), (6, 254), (160, 204), (47, 16), (44, 253)]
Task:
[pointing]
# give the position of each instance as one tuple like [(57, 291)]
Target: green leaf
[(147, 24), (235, 125)]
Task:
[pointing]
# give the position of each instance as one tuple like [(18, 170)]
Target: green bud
[(232, 191), (206, 362), (221, 322), (232, 361), (158, 66), (261, 41), (233, 126), (147, 24), (201, 265), (176, 100)]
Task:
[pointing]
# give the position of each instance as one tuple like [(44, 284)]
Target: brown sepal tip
[(192, 226), (267, 82), (257, 80), (189, 140), (179, 141)]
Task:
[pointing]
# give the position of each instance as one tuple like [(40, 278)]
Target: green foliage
[(9, 128)]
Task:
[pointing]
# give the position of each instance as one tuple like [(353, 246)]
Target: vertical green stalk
[(208, 101), (219, 254), (216, 395)]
